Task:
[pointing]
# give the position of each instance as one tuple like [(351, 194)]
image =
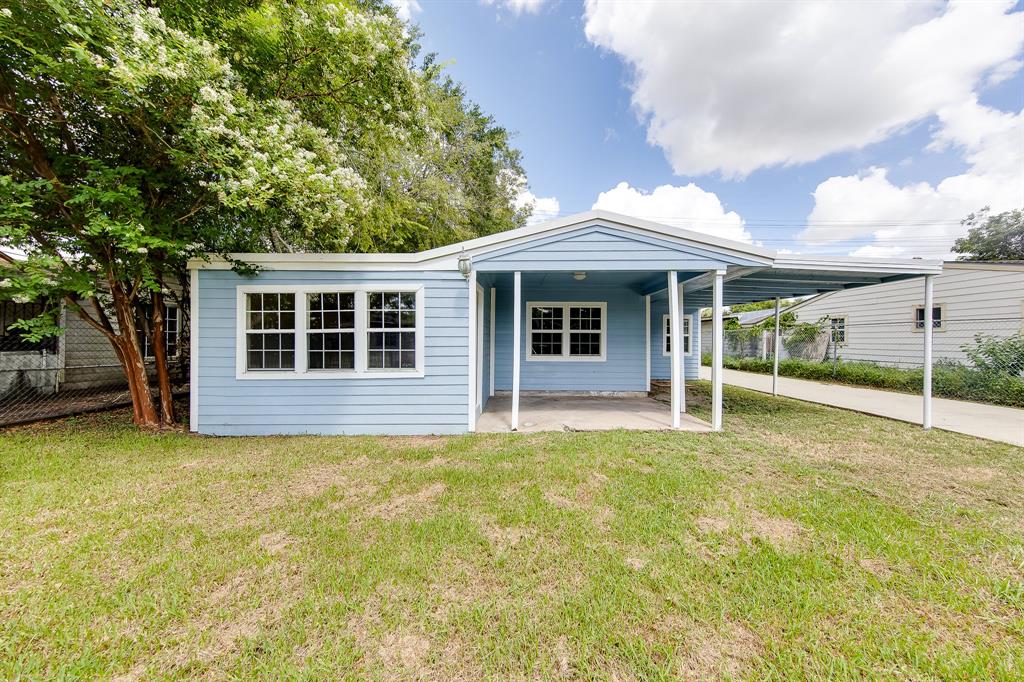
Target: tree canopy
[(992, 237), (135, 136)]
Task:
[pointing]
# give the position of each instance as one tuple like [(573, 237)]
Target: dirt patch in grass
[(503, 538), (404, 649), (718, 654), (712, 524), (877, 567), (403, 505), (274, 543), (781, 532)]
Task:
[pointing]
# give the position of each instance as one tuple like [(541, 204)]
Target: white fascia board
[(886, 266), (607, 219), (1010, 266), (378, 262)]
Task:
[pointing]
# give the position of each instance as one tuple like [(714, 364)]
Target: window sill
[(330, 374), (564, 358)]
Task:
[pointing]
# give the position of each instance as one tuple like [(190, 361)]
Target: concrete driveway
[(993, 422)]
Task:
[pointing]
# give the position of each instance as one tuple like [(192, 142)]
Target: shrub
[(997, 355)]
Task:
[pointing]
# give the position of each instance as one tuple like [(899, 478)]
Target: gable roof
[(446, 257)]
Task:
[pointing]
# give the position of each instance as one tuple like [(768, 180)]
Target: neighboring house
[(418, 343), (883, 323), (745, 319), (79, 359)]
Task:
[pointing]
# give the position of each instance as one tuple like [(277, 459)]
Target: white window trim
[(942, 318), (665, 334), (301, 370), (565, 305), (846, 327)]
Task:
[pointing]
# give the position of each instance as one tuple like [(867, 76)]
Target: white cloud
[(736, 86), (688, 206), (518, 6), (920, 218), (544, 208), (406, 8)]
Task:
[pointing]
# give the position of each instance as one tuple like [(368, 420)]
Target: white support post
[(682, 356), (494, 296), (647, 337), (517, 322), (926, 420), (716, 353), (775, 351), (473, 350), (674, 338)]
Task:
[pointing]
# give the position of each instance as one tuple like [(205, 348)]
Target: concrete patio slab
[(581, 413)]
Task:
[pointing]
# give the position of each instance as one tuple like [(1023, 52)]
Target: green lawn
[(803, 541)]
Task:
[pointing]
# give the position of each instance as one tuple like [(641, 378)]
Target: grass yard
[(803, 542)]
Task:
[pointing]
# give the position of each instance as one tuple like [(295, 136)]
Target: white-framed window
[(331, 330), (837, 329), (172, 328), (391, 331), (566, 331), (321, 331), (666, 334), (938, 317), (269, 331)]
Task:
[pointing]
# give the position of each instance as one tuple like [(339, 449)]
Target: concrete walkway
[(581, 413), (993, 422)]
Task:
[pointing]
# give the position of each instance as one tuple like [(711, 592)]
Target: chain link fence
[(981, 360), (74, 373)]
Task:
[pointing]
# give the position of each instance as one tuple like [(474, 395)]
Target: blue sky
[(580, 87)]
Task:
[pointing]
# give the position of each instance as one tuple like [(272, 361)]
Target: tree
[(992, 237), (130, 143)]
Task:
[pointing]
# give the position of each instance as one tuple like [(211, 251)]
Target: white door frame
[(479, 348)]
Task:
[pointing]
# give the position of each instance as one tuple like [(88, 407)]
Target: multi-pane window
[(171, 330), (667, 336), (331, 330), (270, 331), (936, 317), (837, 327), (546, 327), (391, 330), (564, 330), (584, 331)]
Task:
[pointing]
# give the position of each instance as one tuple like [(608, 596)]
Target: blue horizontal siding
[(661, 365), (622, 370), (435, 403)]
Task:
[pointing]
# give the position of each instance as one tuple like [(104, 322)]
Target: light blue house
[(420, 343)]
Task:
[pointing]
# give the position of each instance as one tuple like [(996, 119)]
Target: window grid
[(566, 331), (685, 321), (837, 327), (270, 331), (331, 330), (546, 324), (170, 332), (391, 330), (936, 317)]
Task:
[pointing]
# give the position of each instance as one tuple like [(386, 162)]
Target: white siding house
[(882, 323)]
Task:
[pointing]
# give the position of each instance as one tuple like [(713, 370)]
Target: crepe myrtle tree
[(129, 146)]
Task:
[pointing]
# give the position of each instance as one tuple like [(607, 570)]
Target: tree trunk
[(127, 342), (163, 377)]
